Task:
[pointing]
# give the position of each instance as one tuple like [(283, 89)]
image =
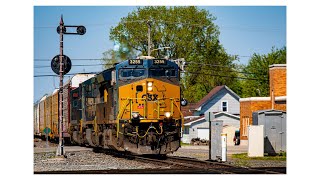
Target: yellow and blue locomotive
[(134, 106)]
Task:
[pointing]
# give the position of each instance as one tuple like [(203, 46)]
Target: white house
[(224, 104)]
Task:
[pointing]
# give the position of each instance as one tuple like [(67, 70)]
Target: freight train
[(134, 106)]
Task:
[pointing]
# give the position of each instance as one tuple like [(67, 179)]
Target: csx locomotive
[(133, 106)]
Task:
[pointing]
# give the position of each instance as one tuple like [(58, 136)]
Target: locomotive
[(133, 106)]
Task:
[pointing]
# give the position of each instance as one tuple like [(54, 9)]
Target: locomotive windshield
[(162, 72), (131, 73)]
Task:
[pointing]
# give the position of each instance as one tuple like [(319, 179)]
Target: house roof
[(227, 114), (187, 110), (190, 121), (212, 93)]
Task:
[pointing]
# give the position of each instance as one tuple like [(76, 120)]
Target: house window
[(224, 106)]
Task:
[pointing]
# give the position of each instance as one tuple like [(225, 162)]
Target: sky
[(244, 30)]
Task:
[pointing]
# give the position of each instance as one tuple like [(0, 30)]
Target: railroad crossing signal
[(63, 62), (55, 64), (81, 30)]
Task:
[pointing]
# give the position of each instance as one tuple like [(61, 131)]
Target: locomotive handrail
[(120, 115), (137, 133), (182, 119), (148, 131)]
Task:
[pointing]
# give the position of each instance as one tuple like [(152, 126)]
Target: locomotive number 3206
[(135, 61)]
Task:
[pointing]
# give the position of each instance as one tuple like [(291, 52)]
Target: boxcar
[(55, 113), (42, 115), (36, 118), (48, 111)]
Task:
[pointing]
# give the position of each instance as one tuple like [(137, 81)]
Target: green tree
[(258, 68), (191, 34), (119, 54)]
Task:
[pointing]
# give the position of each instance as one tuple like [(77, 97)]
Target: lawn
[(244, 156)]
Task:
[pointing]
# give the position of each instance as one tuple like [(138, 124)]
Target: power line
[(81, 59), (241, 28), (199, 73), (68, 75), (237, 77), (76, 65), (222, 66), (230, 69)]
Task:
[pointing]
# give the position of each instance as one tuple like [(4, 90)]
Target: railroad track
[(227, 168), (173, 165), (208, 166)]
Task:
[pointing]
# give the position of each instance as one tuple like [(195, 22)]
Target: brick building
[(276, 100)]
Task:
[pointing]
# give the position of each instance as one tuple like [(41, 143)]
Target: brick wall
[(278, 84), (281, 106), (247, 107), (278, 80)]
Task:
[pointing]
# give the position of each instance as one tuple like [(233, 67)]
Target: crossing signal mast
[(61, 65)]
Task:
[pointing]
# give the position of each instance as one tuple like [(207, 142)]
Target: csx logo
[(150, 97)]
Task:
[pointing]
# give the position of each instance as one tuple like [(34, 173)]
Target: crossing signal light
[(64, 30), (81, 30), (55, 64)]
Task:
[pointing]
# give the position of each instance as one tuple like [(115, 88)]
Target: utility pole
[(149, 38)]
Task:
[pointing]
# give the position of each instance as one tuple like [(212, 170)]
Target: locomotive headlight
[(135, 115), (167, 114), (149, 86)]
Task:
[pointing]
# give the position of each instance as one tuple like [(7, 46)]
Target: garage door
[(203, 133)]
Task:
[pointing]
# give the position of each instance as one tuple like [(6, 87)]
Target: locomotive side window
[(131, 73)]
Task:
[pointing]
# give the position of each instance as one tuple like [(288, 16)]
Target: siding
[(228, 120), (193, 131), (215, 104)]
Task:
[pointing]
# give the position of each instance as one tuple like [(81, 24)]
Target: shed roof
[(269, 111)]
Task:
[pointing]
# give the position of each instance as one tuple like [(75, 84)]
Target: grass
[(184, 144), (244, 156)]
